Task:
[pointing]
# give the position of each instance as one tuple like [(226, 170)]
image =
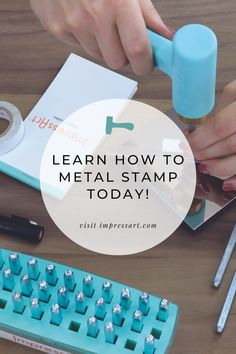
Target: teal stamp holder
[(57, 309)]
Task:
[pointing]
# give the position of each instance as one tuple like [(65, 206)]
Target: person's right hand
[(112, 29)]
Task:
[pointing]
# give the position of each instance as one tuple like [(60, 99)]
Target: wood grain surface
[(181, 268)]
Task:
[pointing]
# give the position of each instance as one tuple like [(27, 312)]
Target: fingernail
[(203, 168), (229, 187)]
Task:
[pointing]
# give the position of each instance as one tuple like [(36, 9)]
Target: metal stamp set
[(68, 310)]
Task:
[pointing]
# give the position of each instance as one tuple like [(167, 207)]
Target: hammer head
[(194, 71), (190, 60)]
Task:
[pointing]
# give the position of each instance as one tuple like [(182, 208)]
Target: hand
[(214, 143), (112, 29), (210, 188)]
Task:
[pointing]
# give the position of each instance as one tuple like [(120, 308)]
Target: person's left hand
[(210, 188), (214, 143)]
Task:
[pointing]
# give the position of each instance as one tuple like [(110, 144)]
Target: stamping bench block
[(57, 309)]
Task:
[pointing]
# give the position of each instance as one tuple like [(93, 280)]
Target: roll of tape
[(14, 133)]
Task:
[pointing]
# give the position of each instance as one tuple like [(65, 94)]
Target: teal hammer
[(190, 60)]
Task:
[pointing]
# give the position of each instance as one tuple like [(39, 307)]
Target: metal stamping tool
[(8, 280), (35, 308), (163, 310), (14, 262), (33, 268), (137, 325), (56, 314), (144, 303), (69, 279), (43, 291), (51, 274), (63, 298), (92, 327), (149, 344), (110, 334), (80, 304), (100, 309), (225, 260), (227, 306), (88, 287), (26, 285), (117, 315), (18, 303), (125, 300), (107, 292)]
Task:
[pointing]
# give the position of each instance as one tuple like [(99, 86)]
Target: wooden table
[(183, 266)]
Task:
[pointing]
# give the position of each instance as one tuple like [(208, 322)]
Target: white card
[(78, 83)]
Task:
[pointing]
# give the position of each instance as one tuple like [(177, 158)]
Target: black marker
[(21, 227)]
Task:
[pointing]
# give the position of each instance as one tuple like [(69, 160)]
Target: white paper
[(78, 83)]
